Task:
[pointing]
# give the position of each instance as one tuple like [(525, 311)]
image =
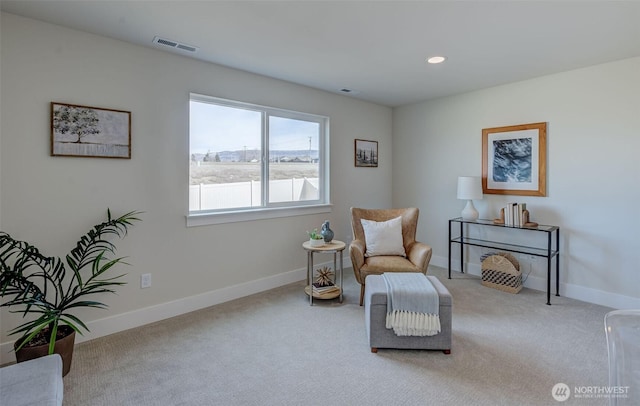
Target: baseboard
[(572, 291), (125, 321)]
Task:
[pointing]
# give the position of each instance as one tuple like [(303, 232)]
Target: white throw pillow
[(383, 237)]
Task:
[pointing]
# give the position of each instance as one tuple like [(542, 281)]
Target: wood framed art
[(514, 160), (366, 153), (84, 131)]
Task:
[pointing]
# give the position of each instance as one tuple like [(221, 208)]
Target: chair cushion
[(383, 237), (380, 264)]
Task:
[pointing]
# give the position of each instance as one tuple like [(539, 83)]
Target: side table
[(334, 247)]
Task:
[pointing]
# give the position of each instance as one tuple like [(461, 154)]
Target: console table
[(549, 252)]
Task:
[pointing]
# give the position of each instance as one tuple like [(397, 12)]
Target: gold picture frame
[(514, 160), (84, 131)]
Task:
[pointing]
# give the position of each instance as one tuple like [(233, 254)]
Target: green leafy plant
[(50, 288), (315, 235)]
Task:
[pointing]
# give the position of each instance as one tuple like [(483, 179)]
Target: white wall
[(593, 177), (51, 201)]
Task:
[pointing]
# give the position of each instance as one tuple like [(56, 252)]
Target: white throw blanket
[(412, 304)]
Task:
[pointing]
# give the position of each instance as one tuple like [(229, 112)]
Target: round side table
[(334, 247)]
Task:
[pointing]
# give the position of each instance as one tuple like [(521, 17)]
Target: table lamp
[(469, 188)]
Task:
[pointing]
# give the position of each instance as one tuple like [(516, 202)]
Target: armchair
[(417, 257)]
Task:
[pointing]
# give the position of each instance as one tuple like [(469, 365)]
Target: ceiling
[(377, 49)]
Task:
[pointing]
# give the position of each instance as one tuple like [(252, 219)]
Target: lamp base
[(470, 213)]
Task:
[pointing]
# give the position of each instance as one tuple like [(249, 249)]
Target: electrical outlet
[(145, 280)]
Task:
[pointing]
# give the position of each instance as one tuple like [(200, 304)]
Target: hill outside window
[(249, 161)]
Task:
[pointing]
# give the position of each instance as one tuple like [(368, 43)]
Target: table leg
[(310, 275), (341, 277), (549, 268), (461, 247), (335, 269), (558, 262), (449, 249)]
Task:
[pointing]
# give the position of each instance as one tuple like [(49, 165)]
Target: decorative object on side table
[(325, 277), (326, 232), (43, 289), (315, 238), (469, 188), (519, 219), (323, 287)]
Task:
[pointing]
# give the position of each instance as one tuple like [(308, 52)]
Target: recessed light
[(436, 59)]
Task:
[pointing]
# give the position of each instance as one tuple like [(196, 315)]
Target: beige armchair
[(417, 257)]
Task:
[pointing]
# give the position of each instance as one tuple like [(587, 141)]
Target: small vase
[(326, 232), (316, 243)]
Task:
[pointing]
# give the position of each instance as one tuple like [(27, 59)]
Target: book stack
[(514, 214), (325, 289)]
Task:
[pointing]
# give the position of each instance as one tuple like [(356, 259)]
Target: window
[(247, 158)]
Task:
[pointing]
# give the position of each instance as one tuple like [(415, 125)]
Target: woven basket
[(502, 271)]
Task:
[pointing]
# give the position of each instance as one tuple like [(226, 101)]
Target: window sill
[(195, 220)]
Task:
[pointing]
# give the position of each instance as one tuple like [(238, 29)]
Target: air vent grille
[(167, 43), (174, 44), (349, 91), (187, 47)]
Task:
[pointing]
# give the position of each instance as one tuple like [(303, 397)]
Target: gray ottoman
[(34, 382), (375, 309)]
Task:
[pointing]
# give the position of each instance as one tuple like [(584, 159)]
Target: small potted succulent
[(47, 290), (315, 238)]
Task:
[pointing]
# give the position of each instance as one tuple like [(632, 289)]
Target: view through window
[(235, 147)]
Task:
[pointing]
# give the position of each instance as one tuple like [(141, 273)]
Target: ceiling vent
[(349, 91), (174, 44)]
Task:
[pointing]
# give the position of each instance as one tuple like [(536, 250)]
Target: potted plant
[(315, 238), (48, 289)]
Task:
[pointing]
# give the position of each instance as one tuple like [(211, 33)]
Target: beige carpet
[(274, 349)]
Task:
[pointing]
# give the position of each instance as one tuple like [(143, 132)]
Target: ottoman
[(34, 382), (375, 309)]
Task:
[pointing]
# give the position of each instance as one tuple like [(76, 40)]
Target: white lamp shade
[(469, 187)]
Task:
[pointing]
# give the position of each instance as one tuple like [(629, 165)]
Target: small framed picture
[(514, 160), (84, 131), (366, 153)]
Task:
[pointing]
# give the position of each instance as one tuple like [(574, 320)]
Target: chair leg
[(361, 293)]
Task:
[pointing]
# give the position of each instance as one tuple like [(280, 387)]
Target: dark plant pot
[(63, 347)]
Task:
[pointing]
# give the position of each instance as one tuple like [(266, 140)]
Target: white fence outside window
[(249, 194)]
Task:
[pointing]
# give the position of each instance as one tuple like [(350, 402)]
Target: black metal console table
[(549, 252)]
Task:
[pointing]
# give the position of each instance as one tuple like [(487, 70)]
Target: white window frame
[(270, 210)]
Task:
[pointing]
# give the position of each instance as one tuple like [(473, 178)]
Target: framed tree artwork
[(84, 131), (514, 160), (366, 153)]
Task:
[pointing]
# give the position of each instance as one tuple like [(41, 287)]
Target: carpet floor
[(272, 348)]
